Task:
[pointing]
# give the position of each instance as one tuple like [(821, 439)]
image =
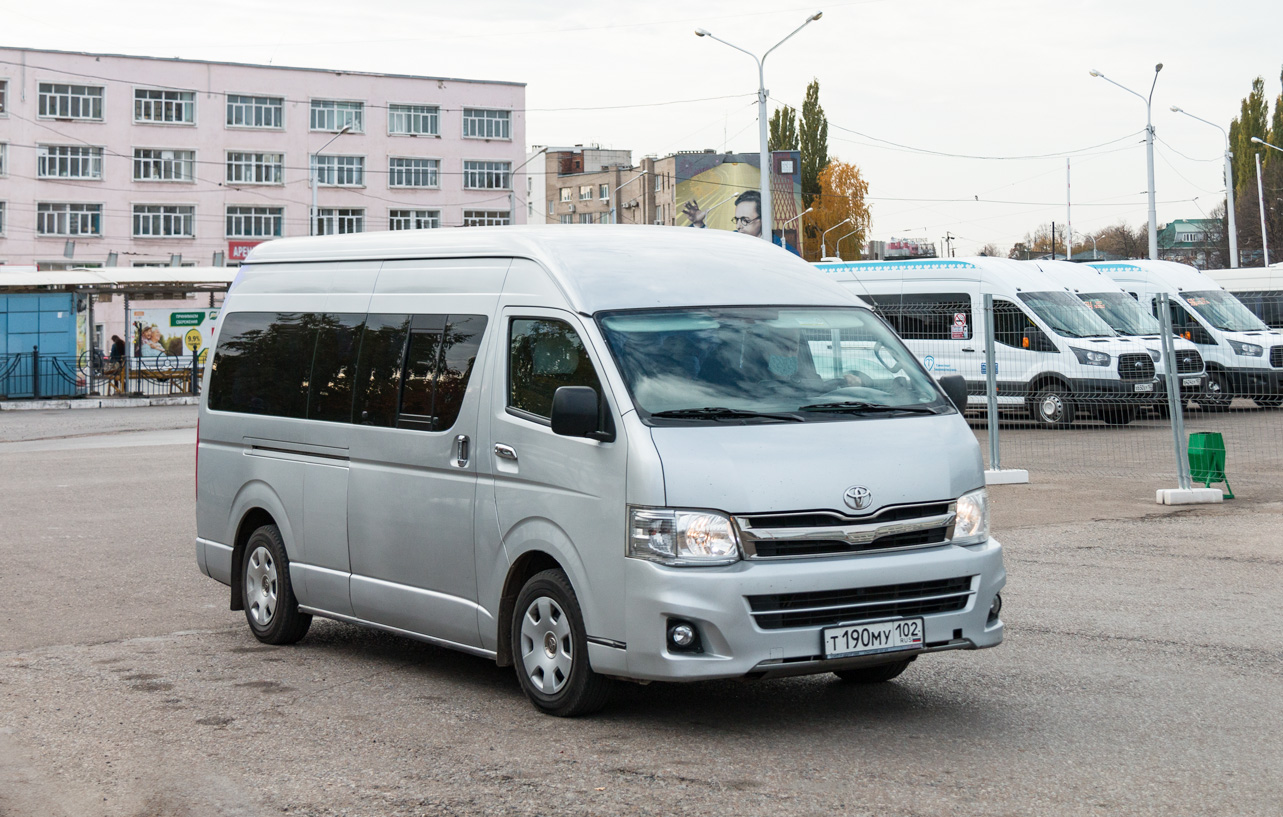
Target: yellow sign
[(192, 339)]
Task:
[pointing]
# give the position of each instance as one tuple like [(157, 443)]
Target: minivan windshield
[(1223, 311), (1066, 315), (766, 364), (1122, 312)]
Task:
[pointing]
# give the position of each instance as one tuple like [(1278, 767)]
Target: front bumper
[(715, 601), (1192, 385)]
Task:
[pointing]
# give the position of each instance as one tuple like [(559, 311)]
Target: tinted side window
[(378, 370), (938, 316), (544, 355), (459, 348), (262, 363), (338, 337)]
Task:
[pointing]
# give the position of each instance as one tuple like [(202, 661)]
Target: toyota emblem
[(857, 497)]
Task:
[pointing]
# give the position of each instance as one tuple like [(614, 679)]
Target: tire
[(1216, 394), (1117, 416), (1051, 407), (270, 606), (1269, 400), (877, 674), (550, 649)]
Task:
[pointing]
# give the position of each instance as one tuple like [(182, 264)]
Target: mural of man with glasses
[(748, 213)]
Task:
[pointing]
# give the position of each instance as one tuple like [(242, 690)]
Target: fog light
[(995, 608), (683, 637)]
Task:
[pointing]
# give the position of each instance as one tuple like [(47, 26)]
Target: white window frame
[(408, 219), (337, 112), (4, 97), (486, 123), (340, 220), (331, 170), (567, 218), (185, 162), (256, 216), (69, 157), (255, 167), (585, 218), (252, 107), (70, 219), (161, 216), (585, 192), (429, 174), (4, 158), (603, 191), (79, 92), (411, 113), (486, 218), (2, 219), (566, 193), (487, 170), (162, 103)]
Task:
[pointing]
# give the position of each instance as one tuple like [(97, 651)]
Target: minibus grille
[(1276, 357), (779, 611), (1135, 367), (824, 533), (1188, 362)]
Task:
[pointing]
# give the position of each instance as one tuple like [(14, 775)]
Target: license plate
[(868, 639), (1144, 387), (1191, 381)]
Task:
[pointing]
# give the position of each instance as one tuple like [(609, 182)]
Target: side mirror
[(955, 388), (577, 412)]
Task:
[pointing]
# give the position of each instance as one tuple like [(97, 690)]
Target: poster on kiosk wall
[(171, 335)]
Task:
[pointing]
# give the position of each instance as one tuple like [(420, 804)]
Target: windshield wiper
[(721, 413), (855, 406)]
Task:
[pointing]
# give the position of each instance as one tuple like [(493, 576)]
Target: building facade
[(110, 160)]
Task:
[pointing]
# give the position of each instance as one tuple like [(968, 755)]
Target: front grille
[(827, 533), (820, 519), (1135, 367), (1276, 357), (771, 548), (1189, 362), (778, 611)]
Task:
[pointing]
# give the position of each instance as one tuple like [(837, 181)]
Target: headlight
[(1248, 349), (1155, 354), (682, 538), (1087, 357), (971, 525)]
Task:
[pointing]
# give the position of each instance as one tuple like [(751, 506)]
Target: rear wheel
[(878, 674), (550, 649), (1051, 406), (1216, 395), (270, 606)]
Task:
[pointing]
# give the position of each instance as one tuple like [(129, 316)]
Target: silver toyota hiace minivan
[(591, 453)]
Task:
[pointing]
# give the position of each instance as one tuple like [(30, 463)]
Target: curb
[(96, 403)]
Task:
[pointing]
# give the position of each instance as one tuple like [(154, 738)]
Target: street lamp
[(1229, 184), (824, 235), (1095, 255), (766, 212), (1149, 153), (1260, 193), (837, 245), (615, 192), (801, 232), (316, 167)]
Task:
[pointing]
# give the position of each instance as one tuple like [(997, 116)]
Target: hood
[(808, 466)]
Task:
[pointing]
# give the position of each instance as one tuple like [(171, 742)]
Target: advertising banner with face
[(722, 191)]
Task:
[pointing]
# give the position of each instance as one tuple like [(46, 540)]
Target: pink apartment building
[(109, 160)]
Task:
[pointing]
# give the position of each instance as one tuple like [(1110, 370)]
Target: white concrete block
[(1007, 476), (1189, 496)]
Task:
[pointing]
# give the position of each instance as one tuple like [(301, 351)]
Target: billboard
[(721, 191), (171, 332)]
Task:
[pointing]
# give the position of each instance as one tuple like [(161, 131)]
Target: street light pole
[(1260, 192), (824, 235), (801, 232), (767, 214), (613, 217), (1229, 184), (837, 245), (1149, 153), (316, 167)]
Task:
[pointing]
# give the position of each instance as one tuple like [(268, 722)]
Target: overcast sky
[(994, 78)]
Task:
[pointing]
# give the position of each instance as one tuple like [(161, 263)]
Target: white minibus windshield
[(1066, 315), (1122, 312), (1223, 311)]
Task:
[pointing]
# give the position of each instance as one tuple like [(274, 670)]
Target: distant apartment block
[(119, 160)]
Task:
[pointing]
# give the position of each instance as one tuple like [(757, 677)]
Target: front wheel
[(881, 673), (270, 606), (1051, 407), (550, 649)]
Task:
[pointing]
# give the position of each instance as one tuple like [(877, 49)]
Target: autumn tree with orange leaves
[(842, 196)]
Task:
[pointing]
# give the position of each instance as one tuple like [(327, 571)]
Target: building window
[(4, 158), (151, 165), (585, 192), (585, 218), (4, 94), (659, 182), (68, 219), (603, 191), (255, 168), (1, 218), (255, 222), (68, 162), (164, 106), (550, 206), (565, 193), (164, 221), (486, 175), (333, 115), (567, 219), (339, 171), (340, 221), (413, 172), (59, 101), (485, 218), (479, 123), (414, 219), (413, 120), (255, 111)]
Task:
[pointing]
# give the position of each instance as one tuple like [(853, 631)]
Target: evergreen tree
[(814, 143), (783, 129), (1252, 121)]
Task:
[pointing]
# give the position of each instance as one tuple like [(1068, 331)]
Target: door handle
[(461, 450), (967, 349), (506, 452)]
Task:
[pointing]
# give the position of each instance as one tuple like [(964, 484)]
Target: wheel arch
[(252, 520), (527, 565)]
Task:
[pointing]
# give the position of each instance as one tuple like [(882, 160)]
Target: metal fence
[(36, 376)]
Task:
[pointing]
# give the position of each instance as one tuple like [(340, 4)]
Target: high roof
[(601, 267)]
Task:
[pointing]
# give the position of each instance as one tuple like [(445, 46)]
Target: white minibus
[(599, 453), (1260, 289)]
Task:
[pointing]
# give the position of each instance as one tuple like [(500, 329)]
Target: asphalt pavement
[(1141, 675)]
